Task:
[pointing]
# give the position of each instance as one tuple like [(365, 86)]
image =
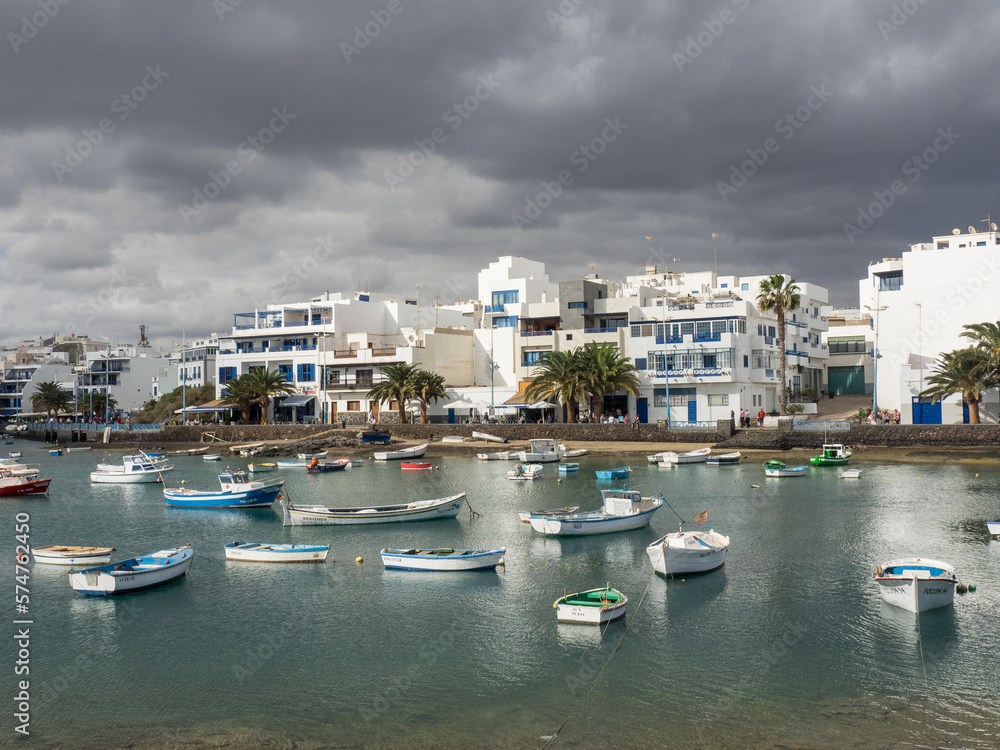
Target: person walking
[(760, 418)]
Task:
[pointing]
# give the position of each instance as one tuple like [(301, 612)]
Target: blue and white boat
[(444, 559), (778, 469), (916, 584), (723, 459), (136, 574), (277, 553), (994, 527), (237, 491), (569, 468), (374, 437), (621, 472), (623, 510)]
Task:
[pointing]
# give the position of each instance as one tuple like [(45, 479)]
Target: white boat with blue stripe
[(277, 553), (237, 491), (442, 559), (623, 510), (916, 584), (138, 573)]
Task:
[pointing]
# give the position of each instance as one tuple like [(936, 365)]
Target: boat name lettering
[(935, 591)]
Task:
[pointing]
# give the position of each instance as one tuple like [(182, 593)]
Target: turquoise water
[(787, 644)]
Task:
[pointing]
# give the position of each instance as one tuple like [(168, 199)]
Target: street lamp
[(320, 347), (875, 355), (666, 367)]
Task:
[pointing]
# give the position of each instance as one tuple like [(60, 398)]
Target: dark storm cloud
[(202, 150)]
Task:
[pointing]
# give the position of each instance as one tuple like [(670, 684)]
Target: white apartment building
[(122, 371), (919, 304), (330, 349), (850, 341)]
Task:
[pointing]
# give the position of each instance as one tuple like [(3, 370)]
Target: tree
[(100, 404), (264, 384), (962, 371), (986, 338), (397, 386), (606, 371), (427, 386), (559, 374), (778, 296), (237, 392), (51, 397)]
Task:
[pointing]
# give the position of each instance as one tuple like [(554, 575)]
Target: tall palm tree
[(51, 397), (397, 386), (962, 371), (606, 371), (986, 337), (237, 392), (778, 296), (264, 384), (559, 374), (101, 404), (427, 387)]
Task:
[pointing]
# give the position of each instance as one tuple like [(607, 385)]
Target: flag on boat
[(701, 517)]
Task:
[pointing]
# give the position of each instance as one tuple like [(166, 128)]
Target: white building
[(919, 304), (122, 371), (850, 341)]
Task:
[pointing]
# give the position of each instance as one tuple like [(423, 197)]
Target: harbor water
[(788, 644)]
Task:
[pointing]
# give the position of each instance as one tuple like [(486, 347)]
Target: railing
[(388, 351), (708, 337), (537, 333), (680, 307), (769, 340), (115, 427), (711, 305), (602, 330), (703, 372), (704, 425), (670, 340), (822, 425), (495, 309), (768, 373)]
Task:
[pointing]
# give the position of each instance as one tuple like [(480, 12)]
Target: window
[(577, 305), (507, 321), (569, 336), (687, 329), (640, 363), (286, 372), (745, 287), (708, 361), (724, 286), (353, 406), (719, 327), (636, 331), (891, 281), (226, 374), (771, 331), (722, 400), (746, 360), (760, 329), (679, 400), (508, 297), (530, 358), (306, 373), (364, 377), (362, 297), (704, 328)]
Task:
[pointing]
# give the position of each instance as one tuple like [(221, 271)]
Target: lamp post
[(320, 347), (666, 367), (184, 378), (875, 355)]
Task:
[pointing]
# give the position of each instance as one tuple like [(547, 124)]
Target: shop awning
[(298, 400)]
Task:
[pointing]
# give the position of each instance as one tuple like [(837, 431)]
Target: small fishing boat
[(414, 452), (575, 453), (78, 449), (212, 457), (261, 467), (420, 510), (417, 466), (621, 472), (249, 451), (55, 452), (525, 516), (541, 451), (916, 584), (778, 469), (688, 552), (237, 491), (15, 454), (276, 553), (568, 468), (158, 456), (594, 607), (339, 465), (135, 469), (663, 457), (698, 456), (291, 464), (723, 459), (444, 559), (18, 469), (58, 554), (13, 485), (498, 456), (310, 456), (525, 471), (376, 437), (994, 527), (622, 510), (453, 439), (488, 437), (834, 454), (850, 474), (155, 569)]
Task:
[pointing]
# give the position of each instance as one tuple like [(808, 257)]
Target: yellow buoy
[(358, 559)]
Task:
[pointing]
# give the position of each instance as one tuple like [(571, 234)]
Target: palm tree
[(51, 397), (986, 338), (263, 384), (427, 386), (237, 392), (962, 371), (559, 374), (397, 386), (778, 296), (101, 404), (606, 371)]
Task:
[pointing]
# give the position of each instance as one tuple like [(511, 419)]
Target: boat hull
[(415, 452), (260, 468), (587, 524), (916, 584), (120, 477), (103, 582), (417, 466), (613, 473), (276, 553), (60, 555), (688, 552), (29, 487), (994, 528), (427, 510), (576, 608), (488, 437), (258, 498), (434, 560), (533, 471)]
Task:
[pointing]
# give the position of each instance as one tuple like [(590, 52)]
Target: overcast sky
[(175, 162)]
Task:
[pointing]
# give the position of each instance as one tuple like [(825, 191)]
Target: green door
[(843, 380)]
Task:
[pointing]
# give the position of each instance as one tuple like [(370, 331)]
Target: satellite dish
[(993, 227), (972, 230), (956, 230)]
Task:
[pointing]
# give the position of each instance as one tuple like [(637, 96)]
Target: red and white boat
[(12, 485), (417, 466)]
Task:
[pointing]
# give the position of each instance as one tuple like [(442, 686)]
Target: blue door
[(642, 410), (924, 412), (965, 412), (451, 416), (692, 410)]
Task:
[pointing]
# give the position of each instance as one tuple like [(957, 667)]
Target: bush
[(796, 408)]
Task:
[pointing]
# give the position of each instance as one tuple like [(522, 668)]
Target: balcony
[(494, 309), (708, 337), (613, 329), (713, 305), (536, 333), (669, 340)]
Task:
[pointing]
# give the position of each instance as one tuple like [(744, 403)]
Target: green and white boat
[(834, 454), (594, 607)]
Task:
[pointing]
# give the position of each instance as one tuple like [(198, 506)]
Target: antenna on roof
[(989, 223)]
